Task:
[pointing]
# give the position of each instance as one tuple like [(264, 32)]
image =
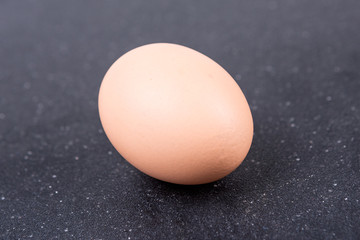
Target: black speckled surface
[(298, 63)]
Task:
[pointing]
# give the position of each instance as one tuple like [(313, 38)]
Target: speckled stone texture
[(298, 63)]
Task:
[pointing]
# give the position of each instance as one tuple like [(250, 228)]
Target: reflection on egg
[(175, 114)]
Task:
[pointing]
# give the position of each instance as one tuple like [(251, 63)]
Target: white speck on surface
[(338, 141), (50, 186), (100, 131), (297, 159), (29, 152), (76, 158), (66, 230), (282, 141), (27, 85), (54, 176), (330, 190), (85, 147), (317, 117), (287, 103), (2, 116), (2, 198), (328, 98), (295, 69), (314, 132), (56, 192), (110, 152), (346, 199), (335, 184), (269, 68), (40, 108), (61, 201), (26, 157), (292, 125), (326, 150)]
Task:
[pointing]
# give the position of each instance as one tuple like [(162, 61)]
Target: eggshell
[(175, 114)]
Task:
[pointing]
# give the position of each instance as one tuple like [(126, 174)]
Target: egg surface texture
[(175, 114)]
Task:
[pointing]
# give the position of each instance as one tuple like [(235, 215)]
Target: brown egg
[(175, 114)]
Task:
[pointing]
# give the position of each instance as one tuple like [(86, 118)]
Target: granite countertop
[(297, 62)]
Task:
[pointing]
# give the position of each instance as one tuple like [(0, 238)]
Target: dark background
[(298, 63)]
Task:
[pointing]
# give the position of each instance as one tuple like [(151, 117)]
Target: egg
[(175, 114)]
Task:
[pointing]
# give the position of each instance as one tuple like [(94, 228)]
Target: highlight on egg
[(175, 114)]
